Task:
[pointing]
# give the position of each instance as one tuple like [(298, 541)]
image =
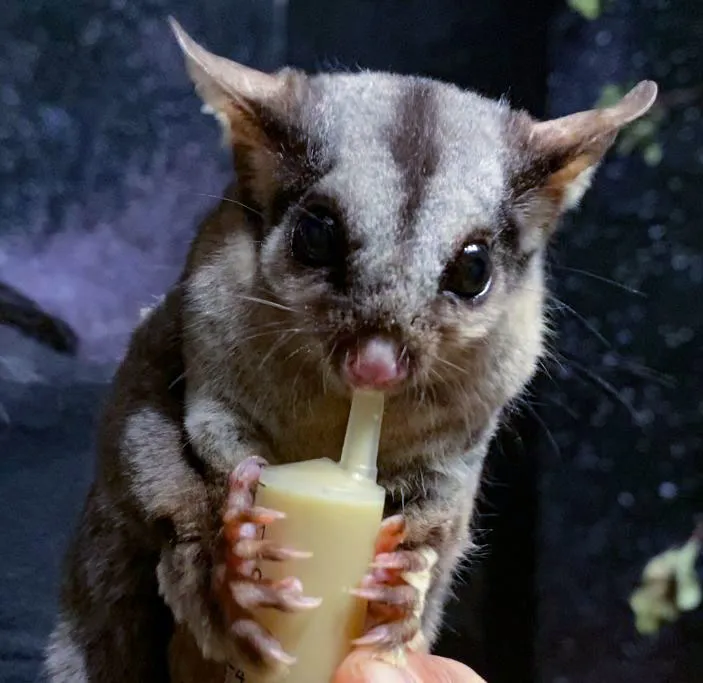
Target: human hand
[(361, 667)]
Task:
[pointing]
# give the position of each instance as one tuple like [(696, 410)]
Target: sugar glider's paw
[(396, 588), (237, 584), (216, 596)]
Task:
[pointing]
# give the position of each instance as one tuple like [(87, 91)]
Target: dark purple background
[(104, 161)]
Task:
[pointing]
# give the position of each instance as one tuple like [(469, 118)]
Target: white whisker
[(450, 364), (230, 201), (265, 302)]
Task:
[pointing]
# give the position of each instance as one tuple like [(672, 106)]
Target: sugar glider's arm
[(152, 525), (149, 495), (193, 464)]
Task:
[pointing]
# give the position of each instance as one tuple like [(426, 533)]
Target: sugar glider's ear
[(559, 157), (243, 99)]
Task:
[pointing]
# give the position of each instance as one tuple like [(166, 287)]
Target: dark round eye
[(469, 275), (317, 239)]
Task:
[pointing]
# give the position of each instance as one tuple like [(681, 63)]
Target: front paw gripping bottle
[(333, 510)]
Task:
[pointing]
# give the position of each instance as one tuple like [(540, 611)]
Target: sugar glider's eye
[(318, 240), (469, 275)]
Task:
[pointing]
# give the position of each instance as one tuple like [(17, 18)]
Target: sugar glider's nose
[(376, 363)]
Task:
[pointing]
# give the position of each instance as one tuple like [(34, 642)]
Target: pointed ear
[(236, 94), (559, 157)]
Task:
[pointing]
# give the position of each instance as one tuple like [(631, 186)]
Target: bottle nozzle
[(360, 449)]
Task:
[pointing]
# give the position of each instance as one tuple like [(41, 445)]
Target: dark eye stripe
[(508, 238), (318, 241)]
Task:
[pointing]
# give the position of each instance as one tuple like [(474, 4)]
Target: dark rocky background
[(104, 164)]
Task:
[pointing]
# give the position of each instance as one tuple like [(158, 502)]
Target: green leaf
[(611, 94), (653, 154), (644, 128), (591, 9), (688, 596), (628, 142), (669, 586)]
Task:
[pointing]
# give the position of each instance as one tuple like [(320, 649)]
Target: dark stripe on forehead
[(414, 146)]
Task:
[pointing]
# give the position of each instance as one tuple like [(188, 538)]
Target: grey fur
[(243, 356)]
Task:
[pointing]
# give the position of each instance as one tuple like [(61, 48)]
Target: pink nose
[(376, 364)]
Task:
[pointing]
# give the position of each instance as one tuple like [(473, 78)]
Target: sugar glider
[(383, 231)]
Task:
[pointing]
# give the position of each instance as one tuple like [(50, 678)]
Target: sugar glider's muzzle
[(375, 362)]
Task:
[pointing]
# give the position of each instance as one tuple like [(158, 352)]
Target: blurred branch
[(20, 312)]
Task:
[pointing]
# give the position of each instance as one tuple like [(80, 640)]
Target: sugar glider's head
[(395, 227)]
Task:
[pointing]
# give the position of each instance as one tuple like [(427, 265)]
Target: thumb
[(361, 667)]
